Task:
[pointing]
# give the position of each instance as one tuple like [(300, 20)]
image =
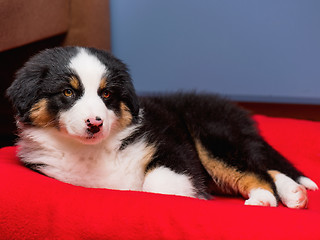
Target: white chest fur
[(97, 166)]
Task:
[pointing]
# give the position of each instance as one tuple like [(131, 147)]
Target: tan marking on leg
[(273, 174), (250, 181), (126, 116), (74, 82), (147, 158), (103, 83), (39, 114), (229, 178)]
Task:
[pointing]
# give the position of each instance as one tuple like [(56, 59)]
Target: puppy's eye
[(68, 92), (106, 94)]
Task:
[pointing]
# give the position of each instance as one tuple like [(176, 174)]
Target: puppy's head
[(83, 92)]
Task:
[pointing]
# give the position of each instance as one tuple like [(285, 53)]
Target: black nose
[(94, 124)]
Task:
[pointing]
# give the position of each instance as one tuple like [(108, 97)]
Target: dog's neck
[(71, 161)]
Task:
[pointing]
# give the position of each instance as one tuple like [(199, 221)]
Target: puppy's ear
[(25, 89)]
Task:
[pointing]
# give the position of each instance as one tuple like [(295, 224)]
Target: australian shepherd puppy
[(81, 122)]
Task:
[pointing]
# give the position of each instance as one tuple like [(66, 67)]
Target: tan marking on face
[(229, 179), (39, 114), (74, 82), (103, 83), (126, 116)]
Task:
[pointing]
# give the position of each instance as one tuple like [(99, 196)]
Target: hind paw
[(292, 194), (261, 197), (295, 197), (308, 183)]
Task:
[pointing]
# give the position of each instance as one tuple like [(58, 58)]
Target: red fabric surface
[(33, 206)]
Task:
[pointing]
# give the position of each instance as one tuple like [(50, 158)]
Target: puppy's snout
[(94, 124)]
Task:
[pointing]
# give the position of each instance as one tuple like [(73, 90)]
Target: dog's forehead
[(90, 70)]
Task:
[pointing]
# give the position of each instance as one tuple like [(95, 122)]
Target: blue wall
[(249, 50)]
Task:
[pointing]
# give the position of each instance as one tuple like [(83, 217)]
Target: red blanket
[(33, 206)]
